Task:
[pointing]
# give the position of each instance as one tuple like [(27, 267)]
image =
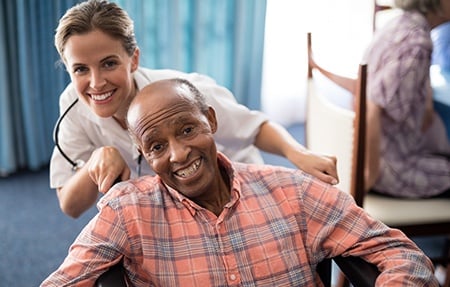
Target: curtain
[(29, 82), (222, 39)]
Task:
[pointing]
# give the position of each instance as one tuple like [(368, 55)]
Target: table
[(440, 82)]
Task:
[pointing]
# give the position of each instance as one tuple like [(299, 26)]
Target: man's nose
[(178, 151)]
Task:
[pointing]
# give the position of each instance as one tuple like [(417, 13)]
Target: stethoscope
[(79, 163)]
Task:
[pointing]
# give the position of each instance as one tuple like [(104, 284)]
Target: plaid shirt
[(279, 224)]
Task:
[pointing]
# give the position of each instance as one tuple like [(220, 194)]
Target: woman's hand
[(274, 138), (105, 166), (323, 167)]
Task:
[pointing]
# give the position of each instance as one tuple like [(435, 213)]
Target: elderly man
[(207, 221)]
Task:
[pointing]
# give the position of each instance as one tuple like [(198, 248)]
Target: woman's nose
[(97, 80)]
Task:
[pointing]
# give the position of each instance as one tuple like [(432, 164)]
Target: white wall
[(341, 30)]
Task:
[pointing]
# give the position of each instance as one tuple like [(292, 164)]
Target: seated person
[(206, 221), (406, 138)]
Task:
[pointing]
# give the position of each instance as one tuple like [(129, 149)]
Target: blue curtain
[(223, 39), (220, 38), (29, 83)]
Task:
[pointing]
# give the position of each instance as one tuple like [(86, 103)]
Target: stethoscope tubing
[(75, 164), (56, 132)]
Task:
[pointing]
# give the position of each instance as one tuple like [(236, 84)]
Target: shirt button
[(232, 277)]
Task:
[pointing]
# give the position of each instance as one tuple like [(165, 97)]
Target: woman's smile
[(102, 98)]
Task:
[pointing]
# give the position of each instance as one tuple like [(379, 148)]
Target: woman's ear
[(212, 119), (135, 60)]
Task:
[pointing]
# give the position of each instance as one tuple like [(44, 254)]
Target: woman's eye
[(110, 64), (79, 70)]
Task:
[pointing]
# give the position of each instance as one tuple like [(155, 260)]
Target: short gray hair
[(422, 6)]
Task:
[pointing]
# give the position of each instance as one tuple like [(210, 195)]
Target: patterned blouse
[(398, 74)]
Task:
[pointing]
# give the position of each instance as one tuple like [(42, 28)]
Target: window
[(341, 31)]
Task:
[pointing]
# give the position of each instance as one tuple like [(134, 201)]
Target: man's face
[(176, 139)]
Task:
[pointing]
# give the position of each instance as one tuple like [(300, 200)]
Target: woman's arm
[(104, 167), (259, 131), (274, 138)]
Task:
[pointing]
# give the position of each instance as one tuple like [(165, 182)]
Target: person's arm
[(240, 127), (100, 245), (429, 109), (274, 138), (100, 172), (337, 226)]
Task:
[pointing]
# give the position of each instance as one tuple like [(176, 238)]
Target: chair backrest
[(337, 130)]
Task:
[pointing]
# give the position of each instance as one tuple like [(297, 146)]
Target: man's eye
[(188, 130), (156, 148)]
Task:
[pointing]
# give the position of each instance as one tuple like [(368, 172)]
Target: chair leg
[(447, 277), (447, 253)]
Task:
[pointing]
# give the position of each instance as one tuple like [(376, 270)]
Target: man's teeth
[(190, 170), (101, 97)]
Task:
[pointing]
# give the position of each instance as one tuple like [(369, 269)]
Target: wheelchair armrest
[(358, 271), (114, 277)]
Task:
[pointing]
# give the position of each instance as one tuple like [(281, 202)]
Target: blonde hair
[(423, 6), (96, 14)]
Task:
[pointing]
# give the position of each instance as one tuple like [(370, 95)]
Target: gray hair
[(422, 6), (197, 97)]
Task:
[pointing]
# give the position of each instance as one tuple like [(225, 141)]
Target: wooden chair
[(341, 132), (330, 128)]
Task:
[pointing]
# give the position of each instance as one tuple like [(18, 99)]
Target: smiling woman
[(96, 42), (208, 37)]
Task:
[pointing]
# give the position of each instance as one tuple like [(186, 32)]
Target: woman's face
[(101, 72)]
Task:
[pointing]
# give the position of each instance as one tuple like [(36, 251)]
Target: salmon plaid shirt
[(279, 224)]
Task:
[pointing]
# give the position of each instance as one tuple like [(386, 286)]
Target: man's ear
[(212, 119)]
